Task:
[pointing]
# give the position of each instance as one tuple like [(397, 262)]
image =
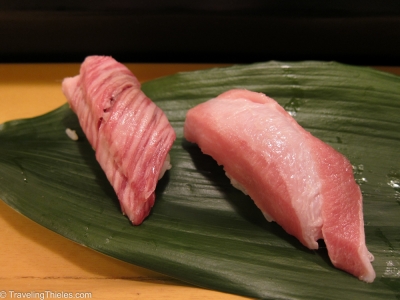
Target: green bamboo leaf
[(201, 229)]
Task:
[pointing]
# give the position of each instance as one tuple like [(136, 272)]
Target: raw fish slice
[(294, 178), (130, 134), (343, 228)]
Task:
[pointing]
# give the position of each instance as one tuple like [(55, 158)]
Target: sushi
[(131, 136), (294, 178)]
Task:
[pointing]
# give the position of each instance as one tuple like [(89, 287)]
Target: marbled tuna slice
[(294, 178), (129, 133)]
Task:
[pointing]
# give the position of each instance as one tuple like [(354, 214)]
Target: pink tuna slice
[(294, 178), (131, 136)]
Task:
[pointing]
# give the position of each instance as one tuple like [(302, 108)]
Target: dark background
[(357, 32)]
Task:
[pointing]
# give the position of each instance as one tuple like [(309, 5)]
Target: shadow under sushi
[(244, 206), (87, 154)]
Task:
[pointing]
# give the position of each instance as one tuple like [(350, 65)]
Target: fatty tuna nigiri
[(131, 136), (294, 178)]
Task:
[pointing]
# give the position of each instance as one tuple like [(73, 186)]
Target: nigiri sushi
[(294, 178), (131, 136)]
